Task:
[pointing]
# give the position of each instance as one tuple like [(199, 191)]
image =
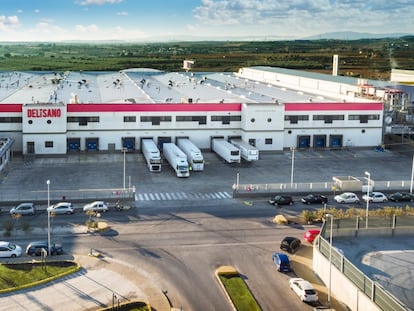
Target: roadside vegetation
[(15, 276), (366, 58)]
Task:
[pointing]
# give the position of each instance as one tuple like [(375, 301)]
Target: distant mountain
[(351, 35)]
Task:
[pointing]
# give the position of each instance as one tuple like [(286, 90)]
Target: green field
[(369, 58)]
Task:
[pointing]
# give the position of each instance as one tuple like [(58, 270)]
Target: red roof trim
[(332, 106), (11, 108), (152, 107)]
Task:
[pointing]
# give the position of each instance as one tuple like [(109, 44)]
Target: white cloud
[(87, 28), (123, 13), (8, 22), (98, 2), (37, 11)]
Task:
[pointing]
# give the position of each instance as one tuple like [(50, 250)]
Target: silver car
[(23, 209), (61, 208), (96, 206), (8, 249)]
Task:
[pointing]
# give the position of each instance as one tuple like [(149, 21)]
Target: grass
[(239, 293), (23, 275)]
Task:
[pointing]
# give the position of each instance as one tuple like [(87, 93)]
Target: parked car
[(314, 198), (347, 197), (61, 208), (282, 262), (26, 208), (290, 244), (8, 249), (375, 197), (303, 289), (281, 200), (401, 196), (35, 248), (96, 206), (311, 234)]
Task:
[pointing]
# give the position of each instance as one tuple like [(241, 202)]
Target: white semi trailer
[(247, 151), (176, 158), (151, 154), (226, 150), (194, 156)]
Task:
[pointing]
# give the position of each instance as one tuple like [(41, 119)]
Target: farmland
[(368, 58)]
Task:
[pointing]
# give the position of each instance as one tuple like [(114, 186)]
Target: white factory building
[(51, 113)]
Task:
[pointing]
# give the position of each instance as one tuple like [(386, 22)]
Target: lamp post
[(124, 150), (412, 176), (367, 208), (48, 217), (292, 166), (330, 258)]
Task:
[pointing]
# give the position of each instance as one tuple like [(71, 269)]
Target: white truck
[(176, 158), (151, 154), (194, 156), (247, 151), (226, 150)]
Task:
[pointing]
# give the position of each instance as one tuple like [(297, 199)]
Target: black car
[(401, 196), (314, 198), (281, 200), (290, 244), (35, 248)]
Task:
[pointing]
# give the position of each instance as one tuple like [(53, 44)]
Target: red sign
[(44, 113)]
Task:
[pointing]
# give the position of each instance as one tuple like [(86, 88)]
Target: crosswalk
[(182, 196)]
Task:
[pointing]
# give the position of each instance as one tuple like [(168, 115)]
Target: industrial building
[(53, 113)]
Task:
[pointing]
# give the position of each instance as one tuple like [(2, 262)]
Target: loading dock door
[(92, 144), (162, 140), (128, 143), (73, 144), (335, 141), (319, 141), (304, 141)]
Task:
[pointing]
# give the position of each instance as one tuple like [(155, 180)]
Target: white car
[(96, 206), (303, 289), (8, 249), (375, 197), (61, 208), (347, 197)]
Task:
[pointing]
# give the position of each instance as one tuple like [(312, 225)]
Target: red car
[(310, 235)]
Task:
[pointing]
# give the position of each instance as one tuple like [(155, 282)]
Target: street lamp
[(124, 150), (292, 166), (367, 209), (48, 216), (412, 176), (330, 258)]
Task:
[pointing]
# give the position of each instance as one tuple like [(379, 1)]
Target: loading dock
[(319, 141), (92, 144), (128, 143), (73, 144)]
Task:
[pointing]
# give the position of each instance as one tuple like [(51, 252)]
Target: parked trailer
[(176, 158), (194, 155), (247, 151), (226, 150), (151, 154)]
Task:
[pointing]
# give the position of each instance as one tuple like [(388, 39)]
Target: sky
[(166, 20)]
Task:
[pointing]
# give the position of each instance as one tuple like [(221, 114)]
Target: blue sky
[(161, 20)]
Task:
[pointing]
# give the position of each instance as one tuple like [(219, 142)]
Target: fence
[(342, 227)]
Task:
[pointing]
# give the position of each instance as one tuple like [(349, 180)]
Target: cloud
[(87, 28), (123, 13), (8, 22), (98, 2)]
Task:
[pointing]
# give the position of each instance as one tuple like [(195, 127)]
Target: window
[(130, 119), (226, 119), (328, 118), (83, 121), (155, 120), (268, 141), (10, 119), (199, 119), (48, 144), (295, 118), (364, 118)]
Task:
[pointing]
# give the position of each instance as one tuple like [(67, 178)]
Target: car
[(346, 197), (375, 197), (96, 206), (282, 262), (311, 234), (8, 249), (35, 248), (303, 289), (290, 244), (314, 198), (401, 196), (25, 208), (61, 208), (281, 200)]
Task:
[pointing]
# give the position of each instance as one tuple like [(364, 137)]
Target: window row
[(363, 118)]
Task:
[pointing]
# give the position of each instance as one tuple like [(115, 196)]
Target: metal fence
[(382, 298)]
